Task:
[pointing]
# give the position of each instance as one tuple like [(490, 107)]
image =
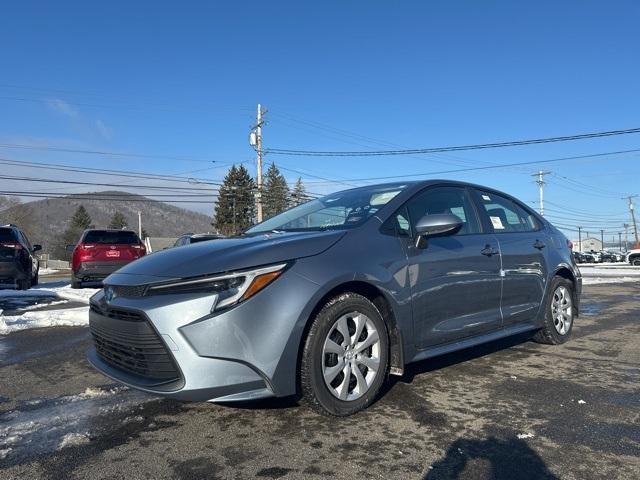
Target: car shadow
[(460, 356), (492, 458)]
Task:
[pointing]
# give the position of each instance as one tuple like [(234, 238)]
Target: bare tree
[(12, 210)]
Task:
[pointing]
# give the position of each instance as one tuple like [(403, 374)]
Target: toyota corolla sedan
[(327, 299)]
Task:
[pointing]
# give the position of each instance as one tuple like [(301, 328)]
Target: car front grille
[(128, 291), (118, 313), (132, 346)]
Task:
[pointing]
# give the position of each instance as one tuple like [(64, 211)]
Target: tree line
[(235, 209)]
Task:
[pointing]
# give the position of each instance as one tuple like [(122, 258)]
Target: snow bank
[(47, 318), (47, 271)]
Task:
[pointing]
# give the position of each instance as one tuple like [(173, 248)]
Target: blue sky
[(183, 79)]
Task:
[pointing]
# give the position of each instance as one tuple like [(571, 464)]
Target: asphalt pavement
[(508, 410)]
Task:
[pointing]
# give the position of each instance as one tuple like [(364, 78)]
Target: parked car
[(18, 262), (589, 257), (101, 252), (609, 256), (189, 238), (578, 257), (633, 257), (333, 295)]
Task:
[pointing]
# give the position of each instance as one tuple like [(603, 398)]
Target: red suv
[(99, 253)]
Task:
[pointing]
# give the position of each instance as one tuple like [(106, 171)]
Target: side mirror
[(37, 248), (437, 224), (70, 248)]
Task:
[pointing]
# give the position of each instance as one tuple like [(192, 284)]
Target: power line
[(513, 143), (490, 167), (49, 148)]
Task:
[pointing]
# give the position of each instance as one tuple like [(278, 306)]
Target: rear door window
[(505, 215), (111, 237)]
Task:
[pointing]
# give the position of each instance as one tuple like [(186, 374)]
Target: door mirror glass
[(37, 248)]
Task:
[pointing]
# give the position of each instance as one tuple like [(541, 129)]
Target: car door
[(523, 250), (455, 279)]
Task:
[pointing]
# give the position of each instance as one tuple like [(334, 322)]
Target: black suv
[(18, 263)]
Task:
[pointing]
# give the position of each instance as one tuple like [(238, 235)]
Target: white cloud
[(62, 107), (103, 130)]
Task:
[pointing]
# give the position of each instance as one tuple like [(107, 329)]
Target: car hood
[(224, 255)]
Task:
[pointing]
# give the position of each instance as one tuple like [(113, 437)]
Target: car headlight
[(230, 288)]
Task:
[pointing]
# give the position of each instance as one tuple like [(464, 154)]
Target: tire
[(35, 280), (559, 313), (75, 283), (24, 284), (340, 393), (635, 261)]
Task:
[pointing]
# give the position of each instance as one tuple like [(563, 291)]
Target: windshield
[(336, 211)]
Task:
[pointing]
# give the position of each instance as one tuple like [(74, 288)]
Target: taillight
[(15, 246), (570, 244)]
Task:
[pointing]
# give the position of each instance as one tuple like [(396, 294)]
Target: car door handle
[(539, 245), (488, 250)]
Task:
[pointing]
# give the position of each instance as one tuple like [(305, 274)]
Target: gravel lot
[(512, 409)]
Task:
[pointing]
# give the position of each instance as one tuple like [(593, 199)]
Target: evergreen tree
[(79, 221), (299, 193), (275, 192), (118, 221), (235, 207)]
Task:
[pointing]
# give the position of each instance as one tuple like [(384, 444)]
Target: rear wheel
[(24, 284), (559, 313), (75, 283), (35, 279), (635, 261), (345, 357)]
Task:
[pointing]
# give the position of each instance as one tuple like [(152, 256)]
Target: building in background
[(588, 244)]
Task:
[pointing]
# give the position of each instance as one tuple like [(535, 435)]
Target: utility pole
[(140, 224), (579, 239), (633, 217), (255, 140), (626, 237), (601, 239), (540, 181), (620, 241)]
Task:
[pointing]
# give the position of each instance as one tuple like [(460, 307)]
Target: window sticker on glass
[(486, 197), (497, 223), (383, 197)]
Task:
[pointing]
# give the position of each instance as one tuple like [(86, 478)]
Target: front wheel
[(345, 356), (559, 313)]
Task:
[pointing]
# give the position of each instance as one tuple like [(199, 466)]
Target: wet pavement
[(506, 410)]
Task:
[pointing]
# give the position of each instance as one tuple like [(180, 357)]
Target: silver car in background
[(327, 299)]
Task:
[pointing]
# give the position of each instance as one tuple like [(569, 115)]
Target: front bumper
[(246, 352)]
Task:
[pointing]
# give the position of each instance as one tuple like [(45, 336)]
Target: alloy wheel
[(351, 356), (562, 310)]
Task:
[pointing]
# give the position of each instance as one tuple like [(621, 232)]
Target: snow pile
[(30, 317), (48, 318)]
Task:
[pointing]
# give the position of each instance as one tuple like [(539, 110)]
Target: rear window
[(6, 235), (111, 237)]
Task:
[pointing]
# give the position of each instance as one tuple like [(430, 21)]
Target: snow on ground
[(29, 318), (609, 273), (47, 271), (45, 318), (43, 426)]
